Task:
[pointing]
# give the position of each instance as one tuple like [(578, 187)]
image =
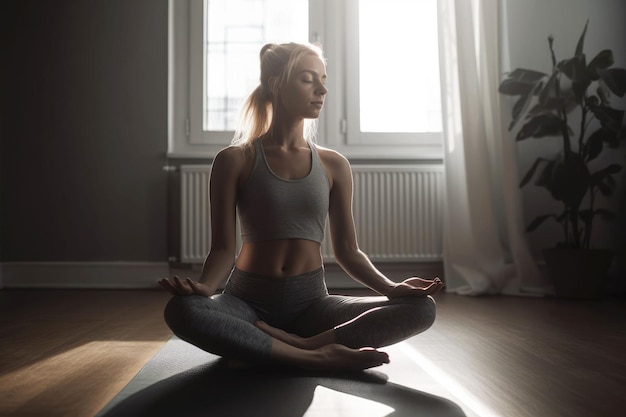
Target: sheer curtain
[(485, 251)]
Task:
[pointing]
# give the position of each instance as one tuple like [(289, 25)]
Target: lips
[(317, 103)]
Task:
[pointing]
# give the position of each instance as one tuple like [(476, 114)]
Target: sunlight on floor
[(330, 403), (460, 393), (64, 369)]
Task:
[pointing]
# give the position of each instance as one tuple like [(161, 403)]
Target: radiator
[(195, 229), (397, 213)]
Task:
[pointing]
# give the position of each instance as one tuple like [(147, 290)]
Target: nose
[(321, 89)]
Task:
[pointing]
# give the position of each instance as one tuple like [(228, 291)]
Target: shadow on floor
[(214, 389)]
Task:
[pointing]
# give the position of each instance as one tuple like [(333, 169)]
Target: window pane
[(235, 32), (399, 66)]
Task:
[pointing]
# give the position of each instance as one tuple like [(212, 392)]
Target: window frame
[(338, 128)]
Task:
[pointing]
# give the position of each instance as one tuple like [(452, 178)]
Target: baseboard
[(88, 275)]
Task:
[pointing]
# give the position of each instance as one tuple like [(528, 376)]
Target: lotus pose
[(275, 306)]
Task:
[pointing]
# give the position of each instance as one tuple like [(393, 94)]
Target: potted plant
[(580, 94)]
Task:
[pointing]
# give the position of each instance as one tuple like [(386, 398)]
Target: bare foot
[(321, 352), (340, 357)]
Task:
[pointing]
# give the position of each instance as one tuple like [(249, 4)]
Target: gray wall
[(83, 120), (84, 130)]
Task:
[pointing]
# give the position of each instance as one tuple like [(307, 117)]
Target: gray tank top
[(271, 207)]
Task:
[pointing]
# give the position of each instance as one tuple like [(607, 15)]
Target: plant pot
[(578, 273)]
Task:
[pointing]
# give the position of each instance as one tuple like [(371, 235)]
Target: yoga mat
[(182, 380)]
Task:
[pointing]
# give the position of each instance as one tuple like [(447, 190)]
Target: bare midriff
[(280, 258)]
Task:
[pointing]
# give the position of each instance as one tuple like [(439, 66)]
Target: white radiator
[(195, 229), (397, 213)]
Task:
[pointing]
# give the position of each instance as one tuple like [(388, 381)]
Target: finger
[(163, 283), (178, 282), (167, 286), (170, 285), (436, 288), (182, 287), (430, 289), (430, 285), (193, 285), (418, 282)]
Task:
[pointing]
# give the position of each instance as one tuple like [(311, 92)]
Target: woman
[(275, 305)]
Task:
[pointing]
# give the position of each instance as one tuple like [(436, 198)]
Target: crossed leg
[(225, 325), (357, 321)]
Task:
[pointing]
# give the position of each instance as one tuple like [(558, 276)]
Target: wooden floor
[(68, 352)]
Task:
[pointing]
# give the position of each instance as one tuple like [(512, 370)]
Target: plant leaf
[(550, 92), (609, 117), (520, 106), (520, 81), (575, 68), (571, 180), (579, 88), (603, 95), (552, 96), (581, 41), (545, 124), (546, 175), (602, 61), (615, 80), (603, 180), (594, 144), (531, 171), (536, 110), (538, 221), (610, 170)]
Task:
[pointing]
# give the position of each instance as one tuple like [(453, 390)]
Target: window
[(383, 67), (234, 32), (404, 97)]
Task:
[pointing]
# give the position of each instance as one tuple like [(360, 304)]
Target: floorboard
[(533, 356), (69, 352)]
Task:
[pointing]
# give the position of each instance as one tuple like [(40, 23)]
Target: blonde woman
[(275, 306)]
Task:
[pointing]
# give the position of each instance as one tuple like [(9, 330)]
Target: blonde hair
[(277, 64)]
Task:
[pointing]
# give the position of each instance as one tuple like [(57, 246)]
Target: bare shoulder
[(234, 162), (333, 161), (234, 157), (231, 154)]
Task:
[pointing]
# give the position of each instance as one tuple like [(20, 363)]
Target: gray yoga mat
[(182, 380)]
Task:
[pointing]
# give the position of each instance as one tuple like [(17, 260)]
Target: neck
[(289, 134)]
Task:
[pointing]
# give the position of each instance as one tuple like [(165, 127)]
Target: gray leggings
[(224, 324)]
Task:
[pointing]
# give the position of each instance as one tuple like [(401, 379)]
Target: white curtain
[(485, 251)]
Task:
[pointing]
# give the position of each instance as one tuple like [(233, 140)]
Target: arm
[(223, 194), (220, 259), (345, 244)]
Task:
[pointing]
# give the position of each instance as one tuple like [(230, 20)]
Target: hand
[(187, 286), (416, 287)]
